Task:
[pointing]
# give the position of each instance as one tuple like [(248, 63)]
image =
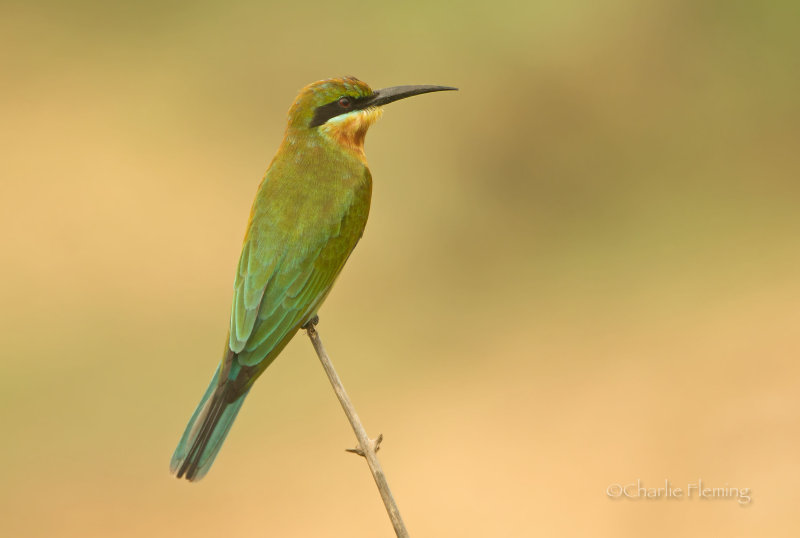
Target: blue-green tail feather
[(206, 430)]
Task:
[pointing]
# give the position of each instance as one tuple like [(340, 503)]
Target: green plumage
[(305, 222), (308, 215)]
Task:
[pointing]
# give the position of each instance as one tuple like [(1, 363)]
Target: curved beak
[(395, 93)]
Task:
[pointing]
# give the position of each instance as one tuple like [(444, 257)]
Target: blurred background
[(580, 270)]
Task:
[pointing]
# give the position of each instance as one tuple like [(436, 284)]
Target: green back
[(308, 215)]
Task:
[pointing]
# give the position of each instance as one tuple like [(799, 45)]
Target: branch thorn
[(375, 445)]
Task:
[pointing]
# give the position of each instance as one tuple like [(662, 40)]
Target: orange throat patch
[(349, 130)]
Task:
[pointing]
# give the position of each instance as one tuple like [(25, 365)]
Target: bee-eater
[(309, 212)]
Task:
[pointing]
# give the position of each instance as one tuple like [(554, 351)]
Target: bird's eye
[(345, 102)]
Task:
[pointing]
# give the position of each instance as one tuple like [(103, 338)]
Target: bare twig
[(366, 446)]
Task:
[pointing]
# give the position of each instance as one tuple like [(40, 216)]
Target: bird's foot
[(310, 324), (375, 445)]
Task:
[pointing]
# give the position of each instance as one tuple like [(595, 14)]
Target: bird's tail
[(206, 430)]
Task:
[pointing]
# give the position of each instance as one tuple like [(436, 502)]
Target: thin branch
[(366, 446)]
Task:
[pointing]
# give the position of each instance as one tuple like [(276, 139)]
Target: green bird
[(309, 212)]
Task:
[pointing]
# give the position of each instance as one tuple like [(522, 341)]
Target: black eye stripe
[(334, 108)]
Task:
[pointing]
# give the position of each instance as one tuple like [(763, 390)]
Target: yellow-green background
[(580, 270)]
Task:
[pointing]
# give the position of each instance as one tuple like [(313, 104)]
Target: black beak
[(395, 93), (378, 98)]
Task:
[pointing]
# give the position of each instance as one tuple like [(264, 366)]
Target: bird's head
[(343, 109)]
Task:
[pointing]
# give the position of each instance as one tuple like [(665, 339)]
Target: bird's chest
[(312, 203)]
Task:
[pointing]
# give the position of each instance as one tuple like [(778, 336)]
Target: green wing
[(287, 267), (291, 296)]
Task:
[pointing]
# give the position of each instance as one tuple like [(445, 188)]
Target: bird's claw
[(310, 324)]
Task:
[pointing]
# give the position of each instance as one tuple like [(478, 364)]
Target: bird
[(309, 213)]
